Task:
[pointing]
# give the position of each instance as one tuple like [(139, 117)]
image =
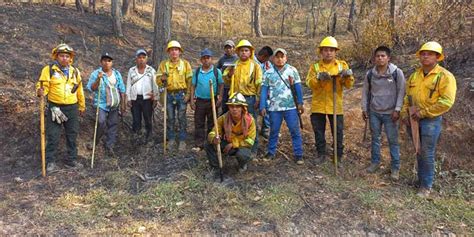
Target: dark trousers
[(142, 109), (242, 154), (53, 131), (225, 98), (108, 125), (318, 121), (202, 118)]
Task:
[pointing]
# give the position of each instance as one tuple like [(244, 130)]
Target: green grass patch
[(280, 201)]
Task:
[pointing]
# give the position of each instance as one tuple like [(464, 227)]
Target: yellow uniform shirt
[(433, 94), (247, 78), (58, 87), (322, 100), (237, 137), (179, 74)]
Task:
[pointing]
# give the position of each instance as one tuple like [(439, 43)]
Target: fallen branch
[(308, 205)]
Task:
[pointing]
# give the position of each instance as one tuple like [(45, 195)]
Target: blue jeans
[(176, 107), (430, 129), (292, 121), (251, 109), (391, 130)]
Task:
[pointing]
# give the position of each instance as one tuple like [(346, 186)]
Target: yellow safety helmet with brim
[(237, 99), (244, 43), (62, 48), (174, 44), (432, 46), (328, 42)]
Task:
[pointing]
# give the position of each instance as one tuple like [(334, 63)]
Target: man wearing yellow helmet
[(62, 84), (175, 74), (432, 90), (238, 133), (246, 78), (319, 80)]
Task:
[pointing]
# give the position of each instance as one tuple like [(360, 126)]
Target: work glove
[(346, 73), (57, 115), (323, 76)]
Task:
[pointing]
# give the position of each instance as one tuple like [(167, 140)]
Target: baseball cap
[(229, 42), (206, 52), (141, 51), (279, 50), (106, 55)]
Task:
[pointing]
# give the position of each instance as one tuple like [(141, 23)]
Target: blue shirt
[(105, 85), (279, 94), (201, 82)]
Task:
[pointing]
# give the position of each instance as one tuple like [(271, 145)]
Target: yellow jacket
[(439, 83), (179, 74), (322, 90), (247, 78), (58, 88), (237, 137)]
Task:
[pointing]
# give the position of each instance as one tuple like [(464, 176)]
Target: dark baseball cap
[(106, 55)]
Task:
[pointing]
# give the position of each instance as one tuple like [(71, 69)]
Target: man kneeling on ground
[(239, 131)]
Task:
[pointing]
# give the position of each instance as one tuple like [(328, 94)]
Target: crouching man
[(238, 131)]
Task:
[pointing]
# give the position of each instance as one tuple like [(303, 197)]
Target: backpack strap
[(438, 78)]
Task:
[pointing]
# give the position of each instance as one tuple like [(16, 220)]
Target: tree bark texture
[(162, 29)]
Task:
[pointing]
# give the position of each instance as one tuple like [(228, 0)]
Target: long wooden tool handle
[(165, 106), (42, 129), (216, 127), (334, 121), (95, 127)]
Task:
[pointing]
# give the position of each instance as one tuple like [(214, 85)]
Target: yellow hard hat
[(329, 42), (174, 44), (237, 99), (244, 43), (62, 48), (432, 46)]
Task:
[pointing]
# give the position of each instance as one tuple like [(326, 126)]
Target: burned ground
[(146, 192)]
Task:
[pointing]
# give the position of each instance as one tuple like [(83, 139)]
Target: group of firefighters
[(245, 85)]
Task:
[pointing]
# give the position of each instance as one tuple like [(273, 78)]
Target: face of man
[(174, 53), (279, 59), (141, 60), (244, 53), (206, 61), (328, 54), (235, 111), (263, 58), (106, 64), (381, 58), (428, 58), (229, 50), (64, 59)]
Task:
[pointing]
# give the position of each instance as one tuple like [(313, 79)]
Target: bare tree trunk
[(117, 18), (79, 6), (134, 6), (334, 22), (331, 24), (92, 6), (153, 9), (306, 29), (221, 23), (282, 26), (352, 11), (126, 7), (392, 13), (315, 15), (257, 26), (162, 29)]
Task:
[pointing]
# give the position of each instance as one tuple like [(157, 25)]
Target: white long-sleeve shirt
[(142, 84)]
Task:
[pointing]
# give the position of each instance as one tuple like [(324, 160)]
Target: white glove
[(323, 76), (346, 73), (57, 115)]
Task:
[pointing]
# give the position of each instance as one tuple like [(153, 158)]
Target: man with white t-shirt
[(112, 96), (142, 93)]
